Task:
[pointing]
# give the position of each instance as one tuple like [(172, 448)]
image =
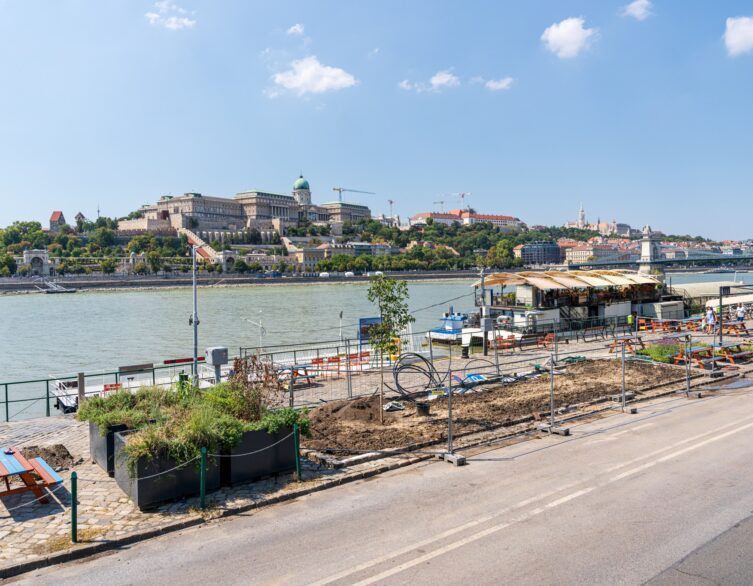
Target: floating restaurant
[(542, 301)]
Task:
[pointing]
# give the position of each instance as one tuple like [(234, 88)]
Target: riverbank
[(99, 283)]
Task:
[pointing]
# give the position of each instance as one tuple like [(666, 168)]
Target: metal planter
[(268, 454)]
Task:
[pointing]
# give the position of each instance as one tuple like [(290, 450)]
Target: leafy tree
[(391, 297), (108, 266), (155, 261), (103, 237), (7, 265), (240, 266), (140, 268)]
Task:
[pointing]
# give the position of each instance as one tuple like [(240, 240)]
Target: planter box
[(149, 492), (274, 460), (102, 448)]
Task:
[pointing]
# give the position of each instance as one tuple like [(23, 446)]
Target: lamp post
[(194, 320)]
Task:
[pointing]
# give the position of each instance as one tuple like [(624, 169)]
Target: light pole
[(194, 320)]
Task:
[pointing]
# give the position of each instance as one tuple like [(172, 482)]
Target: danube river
[(43, 335)]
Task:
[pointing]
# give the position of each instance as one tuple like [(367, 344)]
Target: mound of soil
[(354, 424), (57, 455)]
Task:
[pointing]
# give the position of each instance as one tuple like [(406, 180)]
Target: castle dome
[(300, 183)]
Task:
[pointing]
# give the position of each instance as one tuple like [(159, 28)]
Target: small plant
[(661, 352)]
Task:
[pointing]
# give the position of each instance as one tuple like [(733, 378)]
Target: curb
[(85, 551)]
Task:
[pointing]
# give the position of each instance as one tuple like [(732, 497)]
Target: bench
[(702, 362), (45, 472), (736, 356), (528, 340)]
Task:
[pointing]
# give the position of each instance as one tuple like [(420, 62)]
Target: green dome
[(300, 183)]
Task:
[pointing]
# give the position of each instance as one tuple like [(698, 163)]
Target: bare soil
[(353, 425), (57, 455)]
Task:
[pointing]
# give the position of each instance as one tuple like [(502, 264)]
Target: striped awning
[(553, 280)]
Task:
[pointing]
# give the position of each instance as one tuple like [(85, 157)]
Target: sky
[(640, 110)]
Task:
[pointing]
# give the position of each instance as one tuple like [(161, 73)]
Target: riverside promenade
[(34, 534)]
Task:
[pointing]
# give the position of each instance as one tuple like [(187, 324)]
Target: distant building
[(57, 221), (262, 210), (538, 253), (612, 228), (468, 217), (594, 252)]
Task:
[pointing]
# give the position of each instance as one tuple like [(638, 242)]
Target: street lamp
[(194, 320)]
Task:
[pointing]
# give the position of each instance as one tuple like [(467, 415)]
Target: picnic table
[(631, 343), (299, 373), (701, 356), (735, 328), (692, 324), (732, 352), (13, 463)]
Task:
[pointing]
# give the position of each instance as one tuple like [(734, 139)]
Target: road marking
[(562, 500)]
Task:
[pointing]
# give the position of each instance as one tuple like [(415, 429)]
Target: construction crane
[(390, 201), (462, 195), (441, 202), (340, 190)]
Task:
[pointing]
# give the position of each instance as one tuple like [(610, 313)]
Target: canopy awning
[(550, 280), (731, 300)]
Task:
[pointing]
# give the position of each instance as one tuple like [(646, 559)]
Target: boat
[(451, 330)]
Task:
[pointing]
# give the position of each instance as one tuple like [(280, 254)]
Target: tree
[(391, 298), (7, 265), (140, 268), (108, 266), (154, 260), (240, 266), (103, 237)]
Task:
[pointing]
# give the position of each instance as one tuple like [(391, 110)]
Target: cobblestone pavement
[(30, 530)]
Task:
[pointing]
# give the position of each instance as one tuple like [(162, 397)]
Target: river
[(43, 335)]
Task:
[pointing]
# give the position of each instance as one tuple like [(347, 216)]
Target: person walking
[(740, 312), (710, 320)]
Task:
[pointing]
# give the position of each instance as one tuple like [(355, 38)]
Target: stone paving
[(31, 531)]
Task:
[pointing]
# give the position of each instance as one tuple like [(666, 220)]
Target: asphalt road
[(625, 500)]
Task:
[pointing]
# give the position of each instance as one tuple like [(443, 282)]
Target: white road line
[(481, 534)]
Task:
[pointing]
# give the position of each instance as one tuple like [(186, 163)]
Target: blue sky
[(641, 112)]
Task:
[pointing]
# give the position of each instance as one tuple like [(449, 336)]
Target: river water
[(43, 335)]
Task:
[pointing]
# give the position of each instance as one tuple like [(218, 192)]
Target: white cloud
[(568, 38), (497, 85), (444, 79), (440, 80), (374, 52), (296, 30), (738, 36), (170, 16), (638, 9), (308, 76)]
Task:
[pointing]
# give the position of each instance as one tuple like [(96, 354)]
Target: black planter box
[(149, 492), (101, 447), (268, 461)]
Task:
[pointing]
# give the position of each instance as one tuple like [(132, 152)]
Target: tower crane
[(462, 195), (441, 202), (390, 201), (340, 190)]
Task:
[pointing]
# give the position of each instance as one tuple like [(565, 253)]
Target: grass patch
[(63, 542), (661, 352)]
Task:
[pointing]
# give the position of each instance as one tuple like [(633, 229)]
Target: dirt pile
[(354, 425), (57, 455)]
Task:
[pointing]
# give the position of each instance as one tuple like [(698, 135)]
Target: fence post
[(556, 341), (154, 377), (551, 393), (296, 449), (81, 388), (47, 397), (203, 479), (449, 414), (291, 383), (688, 345), (623, 376), (7, 407), (348, 374), (74, 507), (496, 348)]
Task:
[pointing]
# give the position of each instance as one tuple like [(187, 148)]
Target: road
[(627, 499)]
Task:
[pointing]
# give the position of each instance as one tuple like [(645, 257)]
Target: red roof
[(55, 217)]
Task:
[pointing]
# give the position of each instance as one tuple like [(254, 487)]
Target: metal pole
[(296, 448), (81, 388), (556, 349), (154, 377), (551, 393), (203, 479), (348, 374), (74, 507), (687, 364), (449, 415), (195, 320), (623, 376), (7, 407), (496, 349), (47, 397), (291, 382), (720, 317), (485, 343)]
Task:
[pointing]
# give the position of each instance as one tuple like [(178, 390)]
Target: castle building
[(263, 210)]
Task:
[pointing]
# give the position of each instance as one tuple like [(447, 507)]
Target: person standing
[(740, 312)]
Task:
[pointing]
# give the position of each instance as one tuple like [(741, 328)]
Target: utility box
[(216, 356), (487, 324)]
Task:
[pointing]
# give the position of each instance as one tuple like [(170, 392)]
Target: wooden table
[(732, 352), (700, 355), (630, 343), (691, 324), (735, 328), (14, 464), (299, 372)]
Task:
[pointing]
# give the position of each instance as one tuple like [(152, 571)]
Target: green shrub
[(661, 352)]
